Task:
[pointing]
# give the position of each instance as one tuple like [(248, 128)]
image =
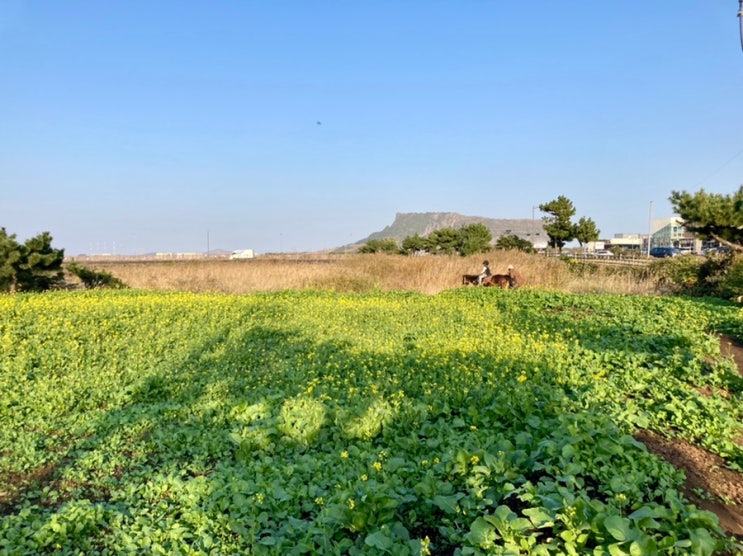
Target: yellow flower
[(376, 465), (474, 460), (425, 546), (364, 477), (522, 378), (351, 504), (344, 454), (319, 501)]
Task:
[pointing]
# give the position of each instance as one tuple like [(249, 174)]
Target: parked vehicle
[(662, 252), (242, 254)]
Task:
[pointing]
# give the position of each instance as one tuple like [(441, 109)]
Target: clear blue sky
[(300, 125)]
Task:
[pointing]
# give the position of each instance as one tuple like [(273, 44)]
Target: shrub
[(95, 278), (718, 275), (678, 274), (728, 277)]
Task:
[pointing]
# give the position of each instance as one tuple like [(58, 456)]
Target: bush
[(717, 276), (729, 277), (678, 274), (95, 278)]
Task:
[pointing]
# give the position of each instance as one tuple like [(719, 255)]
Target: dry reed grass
[(360, 273)]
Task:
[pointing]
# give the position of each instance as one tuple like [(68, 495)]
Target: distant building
[(670, 232), (628, 242)]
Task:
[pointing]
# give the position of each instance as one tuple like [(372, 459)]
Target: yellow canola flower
[(425, 546)]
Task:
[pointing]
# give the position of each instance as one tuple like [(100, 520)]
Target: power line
[(728, 161)]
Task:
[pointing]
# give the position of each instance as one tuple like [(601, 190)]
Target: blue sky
[(282, 125)]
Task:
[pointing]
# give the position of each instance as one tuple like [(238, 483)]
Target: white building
[(670, 232), (630, 242)]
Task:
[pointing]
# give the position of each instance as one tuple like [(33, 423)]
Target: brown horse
[(503, 281), (469, 279)]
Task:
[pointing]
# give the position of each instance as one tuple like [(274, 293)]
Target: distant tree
[(446, 241), (10, 254), (39, 266), (474, 238), (558, 225), (387, 245), (586, 231), (32, 266), (414, 244), (712, 216), (513, 241)]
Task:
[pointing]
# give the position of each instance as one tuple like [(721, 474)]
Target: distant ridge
[(423, 223)]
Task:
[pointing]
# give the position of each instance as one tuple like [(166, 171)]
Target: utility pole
[(740, 20), (650, 224)]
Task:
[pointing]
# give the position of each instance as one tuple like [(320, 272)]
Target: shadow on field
[(181, 424)]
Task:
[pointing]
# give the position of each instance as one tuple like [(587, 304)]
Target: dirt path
[(706, 472)]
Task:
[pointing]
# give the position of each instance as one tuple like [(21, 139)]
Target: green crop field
[(469, 422)]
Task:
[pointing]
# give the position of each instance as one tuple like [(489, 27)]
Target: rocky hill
[(423, 223)]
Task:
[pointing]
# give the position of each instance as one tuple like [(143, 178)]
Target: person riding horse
[(511, 280), (484, 273)]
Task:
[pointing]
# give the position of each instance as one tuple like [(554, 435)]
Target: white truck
[(242, 254)]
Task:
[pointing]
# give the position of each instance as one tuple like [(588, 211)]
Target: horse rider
[(484, 273)]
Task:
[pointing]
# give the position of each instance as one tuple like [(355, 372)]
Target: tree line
[(468, 240), (477, 238)]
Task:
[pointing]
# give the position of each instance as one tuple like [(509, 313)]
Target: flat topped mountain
[(423, 223)]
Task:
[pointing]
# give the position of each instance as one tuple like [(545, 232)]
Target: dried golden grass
[(360, 273)]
